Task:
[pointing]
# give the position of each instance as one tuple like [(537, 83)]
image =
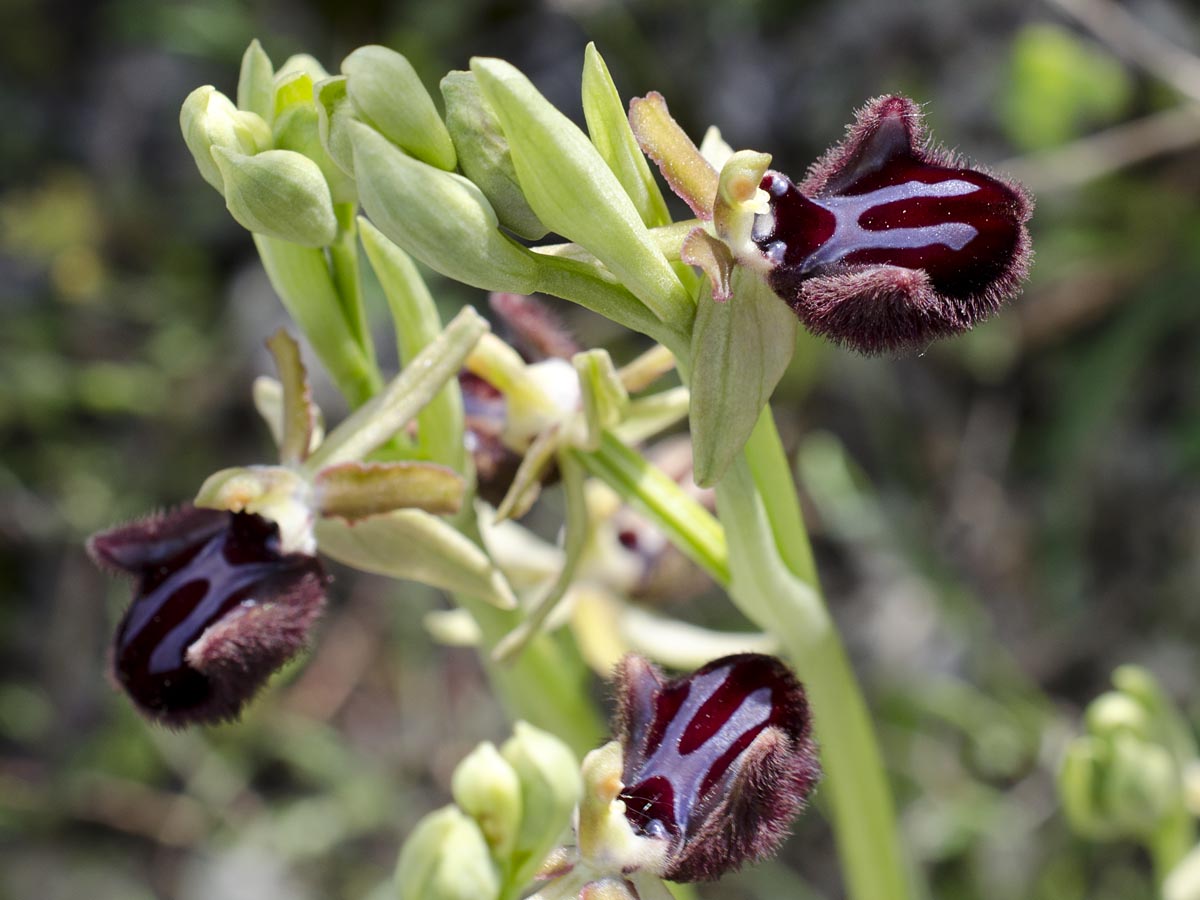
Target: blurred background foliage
[(1000, 521)]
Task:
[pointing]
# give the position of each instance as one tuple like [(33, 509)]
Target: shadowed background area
[(999, 521)]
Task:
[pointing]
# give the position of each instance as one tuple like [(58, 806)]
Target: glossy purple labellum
[(889, 242), (217, 607), (718, 763)]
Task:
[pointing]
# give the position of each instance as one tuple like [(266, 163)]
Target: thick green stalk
[(343, 260), (759, 507)]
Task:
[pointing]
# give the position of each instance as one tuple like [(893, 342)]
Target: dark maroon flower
[(717, 763), (217, 607), (890, 242)]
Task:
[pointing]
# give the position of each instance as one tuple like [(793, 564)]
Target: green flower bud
[(256, 91), (446, 858), (550, 788), (487, 788), (1124, 778), (388, 93), (298, 128), (279, 193), (209, 120), (483, 154), (1118, 788), (441, 218), (572, 189)]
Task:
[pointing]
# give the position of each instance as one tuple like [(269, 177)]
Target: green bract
[(608, 127), (740, 350), (484, 156), (388, 94), (279, 193), (575, 193), (441, 218)]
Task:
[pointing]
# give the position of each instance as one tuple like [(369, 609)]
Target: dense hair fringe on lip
[(881, 307)]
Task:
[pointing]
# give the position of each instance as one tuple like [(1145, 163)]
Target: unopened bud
[(388, 93), (279, 193), (487, 788), (209, 120), (550, 788), (446, 858), (484, 155), (441, 218)]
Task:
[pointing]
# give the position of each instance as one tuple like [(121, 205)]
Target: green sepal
[(486, 787), (550, 788), (441, 218), (608, 127), (484, 155), (255, 90), (740, 350), (298, 128), (415, 546), (209, 120), (279, 193), (446, 858), (388, 93), (417, 323), (355, 490), (605, 399), (574, 192)]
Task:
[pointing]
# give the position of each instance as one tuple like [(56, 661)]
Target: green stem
[(759, 507), (343, 260)]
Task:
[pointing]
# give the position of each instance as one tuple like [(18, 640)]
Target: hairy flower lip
[(890, 241), (716, 763), (217, 607)]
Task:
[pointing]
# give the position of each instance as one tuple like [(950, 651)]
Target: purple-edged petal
[(217, 607), (716, 763)]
